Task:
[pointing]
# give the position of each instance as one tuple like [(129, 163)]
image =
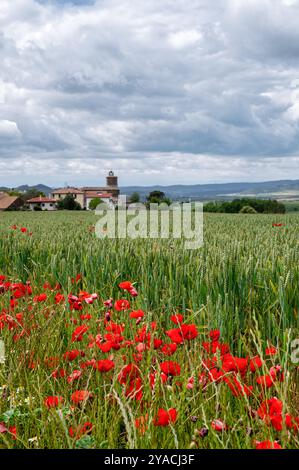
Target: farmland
[(194, 350)]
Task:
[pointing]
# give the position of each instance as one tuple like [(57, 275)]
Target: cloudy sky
[(161, 91)]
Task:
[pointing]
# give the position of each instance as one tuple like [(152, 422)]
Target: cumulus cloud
[(162, 92)]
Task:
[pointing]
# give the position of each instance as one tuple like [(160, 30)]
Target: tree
[(94, 203), (135, 197), (247, 210), (157, 197), (68, 203)]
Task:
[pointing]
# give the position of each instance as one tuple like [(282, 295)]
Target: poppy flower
[(170, 368), (214, 335), (79, 332), (271, 351), (141, 423), (121, 304), (219, 425), (265, 381), (72, 355), (267, 445), (134, 389), (255, 363), (128, 373), (80, 396), (40, 298), (104, 365), (271, 407), (125, 285), (53, 401), (177, 318), (85, 428), (234, 364), (165, 417), (137, 314), (59, 298), (75, 375), (169, 349)]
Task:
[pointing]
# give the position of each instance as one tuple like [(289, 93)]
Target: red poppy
[(234, 364), (59, 298), (165, 417), (271, 351), (75, 375), (80, 396), (255, 363), (267, 445), (53, 402), (85, 428), (134, 389), (177, 318), (79, 332), (122, 304), (126, 285), (219, 425), (141, 423), (128, 373), (265, 381), (170, 368), (169, 349), (40, 298), (214, 335), (104, 365), (137, 314)]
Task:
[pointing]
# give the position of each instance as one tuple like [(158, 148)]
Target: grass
[(244, 281)]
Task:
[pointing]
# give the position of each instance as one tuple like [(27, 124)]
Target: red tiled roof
[(67, 191), (41, 199), (6, 201), (96, 194)]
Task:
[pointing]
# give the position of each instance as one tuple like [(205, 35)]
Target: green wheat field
[(208, 360)]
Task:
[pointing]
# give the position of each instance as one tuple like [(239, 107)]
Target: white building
[(106, 198), (43, 203)]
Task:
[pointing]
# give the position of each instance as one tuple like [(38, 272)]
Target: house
[(83, 196), (76, 193), (9, 202), (42, 203), (106, 198)]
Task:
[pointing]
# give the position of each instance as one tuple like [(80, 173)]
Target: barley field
[(144, 344)]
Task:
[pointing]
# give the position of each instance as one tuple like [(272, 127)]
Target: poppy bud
[(203, 432)]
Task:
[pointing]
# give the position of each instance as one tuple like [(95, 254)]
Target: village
[(86, 198)]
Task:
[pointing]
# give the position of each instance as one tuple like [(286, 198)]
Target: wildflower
[(104, 365), (165, 417), (219, 425), (121, 305), (80, 396), (75, 375), (53, 401), (267, 445), (170, 368)]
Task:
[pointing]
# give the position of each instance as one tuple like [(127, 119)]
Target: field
[(201, 357)]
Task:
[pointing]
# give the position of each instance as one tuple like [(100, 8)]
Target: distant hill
[(282, 189), (23, 188)]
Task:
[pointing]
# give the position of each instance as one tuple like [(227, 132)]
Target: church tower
[(111, 180)]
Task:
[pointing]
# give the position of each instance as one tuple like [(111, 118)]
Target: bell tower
[(111, 180)]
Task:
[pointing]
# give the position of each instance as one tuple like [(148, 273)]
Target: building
[(9, 202), (42, 203), (83, 196)]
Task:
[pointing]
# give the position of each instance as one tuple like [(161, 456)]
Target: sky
[(162, 92)]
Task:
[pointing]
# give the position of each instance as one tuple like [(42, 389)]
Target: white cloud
[(148, 89)]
